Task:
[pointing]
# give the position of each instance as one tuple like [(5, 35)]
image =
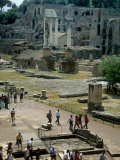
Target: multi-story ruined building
[(89, 26), (105, 30)]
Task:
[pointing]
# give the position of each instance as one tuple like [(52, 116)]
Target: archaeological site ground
[(60, 56)]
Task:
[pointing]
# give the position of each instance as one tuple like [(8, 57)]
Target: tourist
[(70, 121), (66, 155), (29, 143), (49, 116), (15, 97), (1, 153), (77, 155), (21, 96), (27, 153), (76, 122), (72, 155), (10, 156), (80, 120), (6, 102), (38, 154), (53, 153), (9, 147), (13, 116), (86, 121), (19, 140), (102, 156), (58, 117)]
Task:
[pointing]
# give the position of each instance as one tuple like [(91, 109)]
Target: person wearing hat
[(53, 153)]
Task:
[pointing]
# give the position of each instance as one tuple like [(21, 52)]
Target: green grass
[(5, 75), (81, 75)]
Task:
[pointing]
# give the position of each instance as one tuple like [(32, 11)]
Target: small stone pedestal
[(43, 96), (95, 97)]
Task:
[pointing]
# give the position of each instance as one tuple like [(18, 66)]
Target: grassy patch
[(8, 75)]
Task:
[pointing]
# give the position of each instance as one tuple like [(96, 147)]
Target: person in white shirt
[(72, 155), (58, 117), (65, 157), (70, 120), (31, 148), (27, 153), (13, 116)]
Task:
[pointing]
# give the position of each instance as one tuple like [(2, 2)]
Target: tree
[(8, 17), (3, 3), (110, 69)]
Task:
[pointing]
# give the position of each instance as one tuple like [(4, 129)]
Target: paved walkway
[(31, 114)]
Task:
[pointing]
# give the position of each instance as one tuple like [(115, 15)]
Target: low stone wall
[(92, 139), (85, 52), (113, 118)]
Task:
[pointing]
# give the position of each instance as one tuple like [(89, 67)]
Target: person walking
[(38, 154), (76, 122), (27, 153), (70, 121), (80, 120), (53, 153), (66, 155), (21, 96), (19, 140), (72, 155), (15, 97), (58, 117), (49, 116), (102, 156), (29, 143), (10, 156), (86, 121), (13, 116)]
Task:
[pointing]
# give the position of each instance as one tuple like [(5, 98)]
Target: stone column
[(95, 97), (56, 32), (45, 32), (69, 38), (50, 37)]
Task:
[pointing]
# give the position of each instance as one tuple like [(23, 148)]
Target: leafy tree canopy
[(110, 69), (8, 17)]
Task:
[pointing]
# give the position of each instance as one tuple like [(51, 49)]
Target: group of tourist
[(72, 155), (5, 100), (78, 120)]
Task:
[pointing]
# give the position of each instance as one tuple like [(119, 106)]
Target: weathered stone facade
[(105, 31), (68, 64)]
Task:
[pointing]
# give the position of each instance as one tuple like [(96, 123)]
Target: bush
[(110, 69)]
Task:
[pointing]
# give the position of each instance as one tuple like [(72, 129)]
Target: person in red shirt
[(86, 121)]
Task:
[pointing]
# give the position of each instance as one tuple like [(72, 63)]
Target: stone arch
[(76, 13)]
